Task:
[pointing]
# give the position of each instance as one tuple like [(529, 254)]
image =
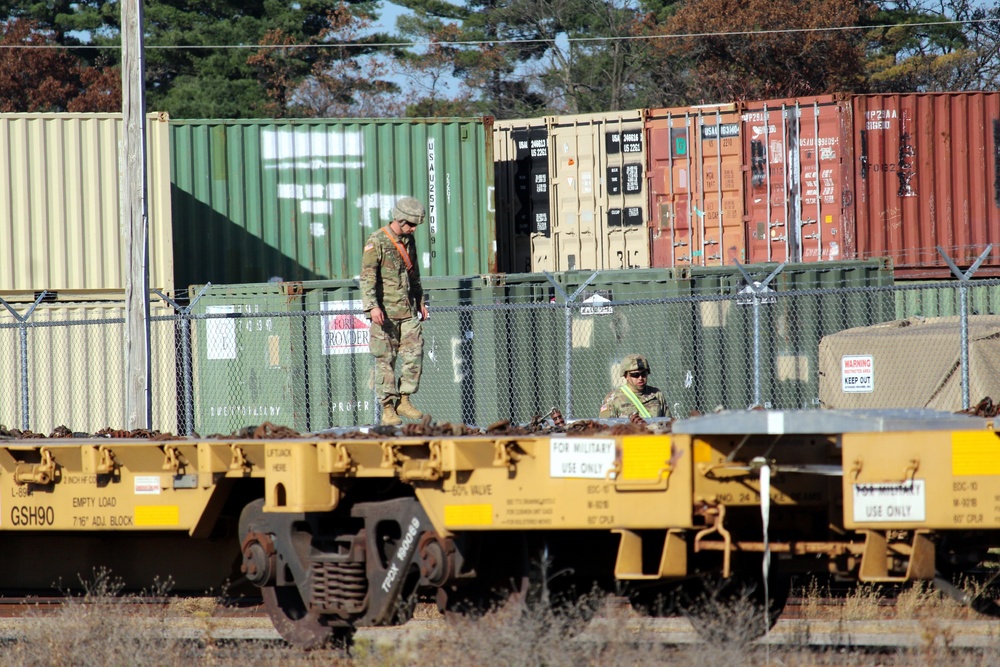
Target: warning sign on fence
[(857, 373)]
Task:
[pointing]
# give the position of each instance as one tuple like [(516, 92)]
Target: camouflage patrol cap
[(634, 362), (408, 209)]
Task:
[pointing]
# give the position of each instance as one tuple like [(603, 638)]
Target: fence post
[(756, 289), (25, 408), (963, 315), (568, 338), (187, 390)]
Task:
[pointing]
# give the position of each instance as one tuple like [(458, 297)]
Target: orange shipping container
[(695, 186)]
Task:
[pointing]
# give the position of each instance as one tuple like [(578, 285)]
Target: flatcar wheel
[(297, 625)]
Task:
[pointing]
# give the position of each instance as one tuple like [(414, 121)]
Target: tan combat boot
[(407, 409), (389, 416)]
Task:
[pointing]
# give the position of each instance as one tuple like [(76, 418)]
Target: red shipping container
[(926, 175), (799, 201), (694, 162)]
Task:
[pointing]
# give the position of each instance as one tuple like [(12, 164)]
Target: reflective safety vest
[(630, 395)]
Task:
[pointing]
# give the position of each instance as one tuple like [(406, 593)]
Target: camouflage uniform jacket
[(385, 282), (617, 403)]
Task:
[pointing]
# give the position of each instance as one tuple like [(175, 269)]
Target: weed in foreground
[(103, 627), (864, 603)]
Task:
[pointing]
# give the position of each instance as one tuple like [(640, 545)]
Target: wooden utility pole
[(135, 221)]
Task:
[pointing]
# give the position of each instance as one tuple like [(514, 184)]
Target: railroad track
[(204, 619)]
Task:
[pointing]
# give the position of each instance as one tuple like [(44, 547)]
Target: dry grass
[(103, 627), (874, 602), (864, 603)]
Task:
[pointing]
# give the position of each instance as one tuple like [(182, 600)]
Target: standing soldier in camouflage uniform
[(394, 301), (635, 396)]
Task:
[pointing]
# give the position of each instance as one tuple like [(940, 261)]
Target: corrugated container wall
[(60, 219), (247, 357), (76, 365), (928, 174), (695, 186), (598, 168), (799, 201), (523, 212), (571, 192), (256, 200)]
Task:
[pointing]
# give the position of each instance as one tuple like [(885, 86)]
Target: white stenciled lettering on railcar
[(402, 554)]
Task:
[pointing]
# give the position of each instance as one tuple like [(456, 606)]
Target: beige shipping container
[(598, 168), (570, 192), (60, 219), (76, 365), (911, 363)]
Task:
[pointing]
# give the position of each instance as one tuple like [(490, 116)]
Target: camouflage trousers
[(402, 338)]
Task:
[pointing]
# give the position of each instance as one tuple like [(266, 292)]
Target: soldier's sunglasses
[(408, 224), (638, 374)]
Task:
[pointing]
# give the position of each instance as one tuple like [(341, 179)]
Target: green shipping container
[(530, 333), (248, 357), (461, 351), (493, 349), (296, 199), (338, 368), (943, 298), (603, 331), (335, 370), (458, 379), (790, 329)]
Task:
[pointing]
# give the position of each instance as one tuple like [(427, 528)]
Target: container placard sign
[(597, 304), (345, 331), (589, 458), (625, 141), (857, 373), (633, 179), (724, 131), (629, 216), (220, 333), (632, 183), (890, 502), (541, 224)]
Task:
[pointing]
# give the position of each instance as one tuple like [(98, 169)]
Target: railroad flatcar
[(350, 528)]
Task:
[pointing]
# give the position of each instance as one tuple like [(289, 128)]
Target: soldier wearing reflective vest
[(635, 395), (394, 301)]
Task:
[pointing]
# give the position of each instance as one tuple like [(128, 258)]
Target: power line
[(493, 42)]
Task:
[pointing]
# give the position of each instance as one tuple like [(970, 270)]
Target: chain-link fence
[(508, 348), (63, 363)]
